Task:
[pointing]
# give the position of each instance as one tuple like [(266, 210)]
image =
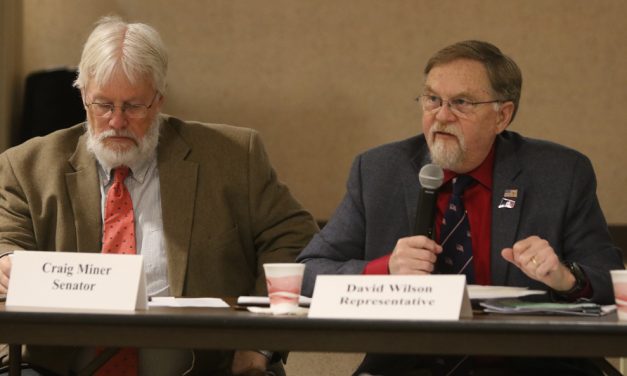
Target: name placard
[(391, 297), (70, 280)]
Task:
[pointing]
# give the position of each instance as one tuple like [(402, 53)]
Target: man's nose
[(445, 114), (118, 119)]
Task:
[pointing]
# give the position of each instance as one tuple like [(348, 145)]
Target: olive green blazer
[(224, 211)]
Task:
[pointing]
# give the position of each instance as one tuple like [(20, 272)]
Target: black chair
[(50, 103)]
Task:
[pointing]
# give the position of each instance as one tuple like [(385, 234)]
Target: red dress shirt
[(477, 201)]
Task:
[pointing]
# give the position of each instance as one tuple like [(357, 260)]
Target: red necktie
[(119, 237), (119, 222)]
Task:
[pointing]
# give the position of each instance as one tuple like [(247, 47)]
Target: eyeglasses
[(459, 106), (132, 111)]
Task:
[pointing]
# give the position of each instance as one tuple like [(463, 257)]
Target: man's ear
[(504, 115), (159, 102)]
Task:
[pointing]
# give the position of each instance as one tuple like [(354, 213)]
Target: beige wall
[(10, 64), (323, 80)]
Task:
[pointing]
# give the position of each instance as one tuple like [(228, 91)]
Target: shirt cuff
[(6, 254), (378, 266), (585, 292), (582, 287)]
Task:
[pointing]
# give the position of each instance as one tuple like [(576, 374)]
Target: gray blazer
[(556, 201)]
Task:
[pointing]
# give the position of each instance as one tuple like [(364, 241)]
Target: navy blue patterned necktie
[(455, 239)]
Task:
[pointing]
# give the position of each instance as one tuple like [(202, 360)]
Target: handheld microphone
[(431, 177)]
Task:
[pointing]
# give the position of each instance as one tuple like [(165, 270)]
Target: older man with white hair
[(206, 208)]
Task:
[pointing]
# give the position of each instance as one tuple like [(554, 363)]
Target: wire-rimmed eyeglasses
[(130, 110), (459, 106)]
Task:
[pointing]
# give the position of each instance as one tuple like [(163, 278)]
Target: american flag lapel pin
[(508, 201)]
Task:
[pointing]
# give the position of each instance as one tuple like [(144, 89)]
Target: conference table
[(236, 328)]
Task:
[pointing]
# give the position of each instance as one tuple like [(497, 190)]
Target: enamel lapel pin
[(508, 201)]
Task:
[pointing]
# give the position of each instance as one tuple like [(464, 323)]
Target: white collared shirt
[(143, 185)]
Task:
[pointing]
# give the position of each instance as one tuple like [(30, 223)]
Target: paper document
[(170, 301), (517, 306), (265, 301), (496, 292)]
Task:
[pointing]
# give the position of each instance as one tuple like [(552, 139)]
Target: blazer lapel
[(507, 201), (84, 194), (177, 178)]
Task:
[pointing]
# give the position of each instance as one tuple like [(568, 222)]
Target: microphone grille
[(431, 176)]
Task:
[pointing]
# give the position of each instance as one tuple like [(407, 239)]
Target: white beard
[(111, 158), (446, 155)]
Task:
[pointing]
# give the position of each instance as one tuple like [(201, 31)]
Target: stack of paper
[(170, 301), (520, 307), (480, 292), (303, 301)]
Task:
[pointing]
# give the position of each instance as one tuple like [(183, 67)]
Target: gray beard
[(450, 158), (447, 158), (109, 158)]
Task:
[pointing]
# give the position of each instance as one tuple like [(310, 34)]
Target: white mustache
[(438, 127), (119, 133)]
